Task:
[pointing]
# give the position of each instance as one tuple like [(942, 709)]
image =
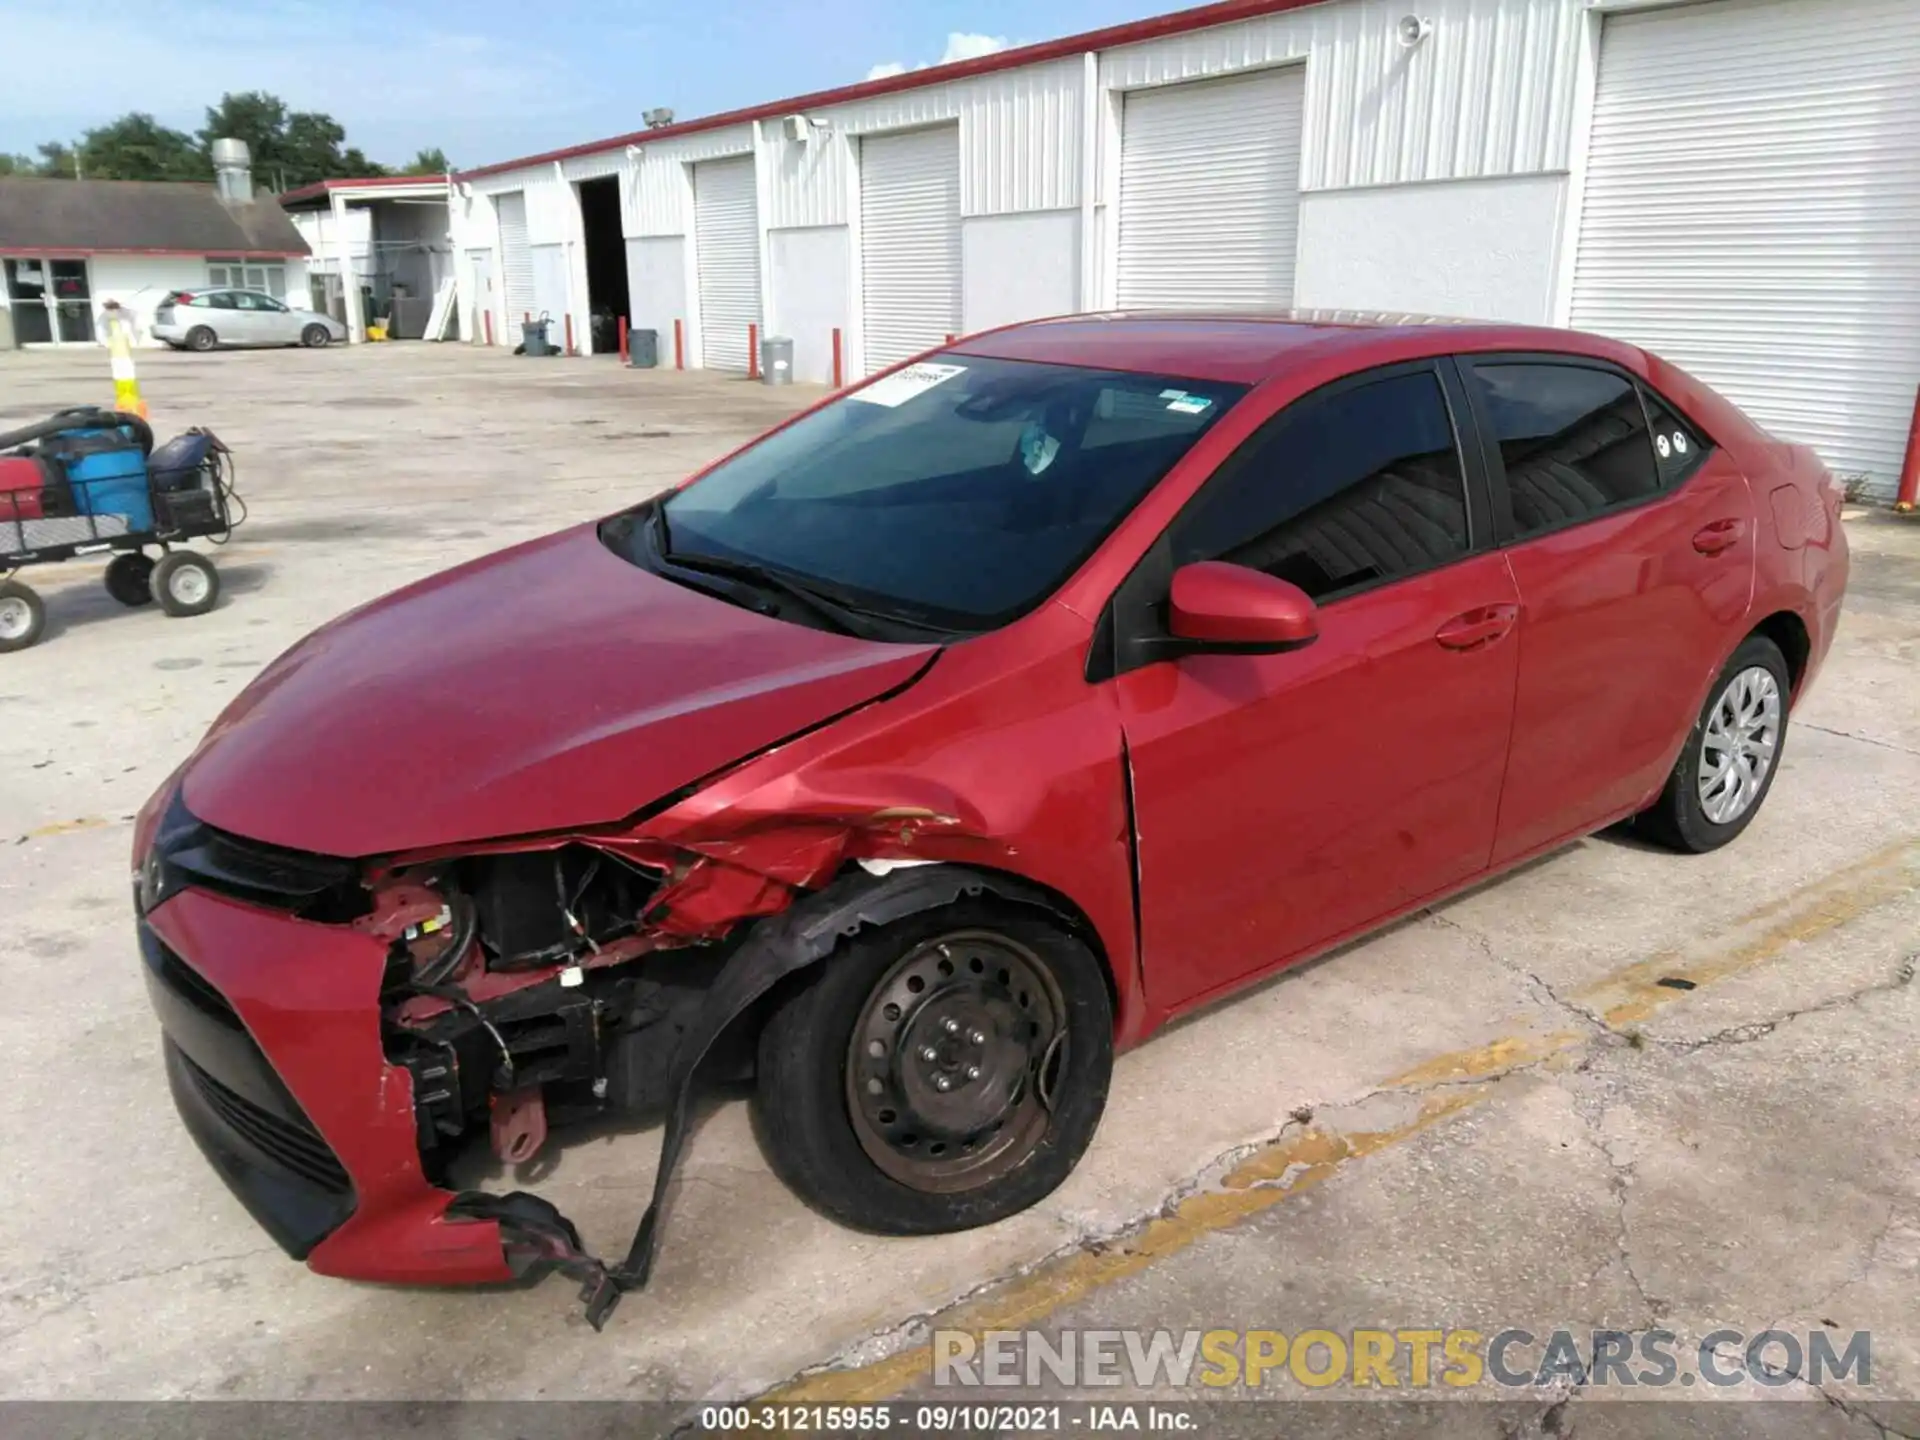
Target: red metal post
[(569, 319), (1909, 493), (623, 339), (753, 352), (949, 339), (836, 357), (679, 347)]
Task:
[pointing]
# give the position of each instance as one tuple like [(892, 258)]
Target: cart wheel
[(185, 583), (129, 578), (22, 616)]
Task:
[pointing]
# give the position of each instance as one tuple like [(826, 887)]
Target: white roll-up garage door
[(1210, 191), (909, 242), (516, 259), (1752, 212), (726, 225)]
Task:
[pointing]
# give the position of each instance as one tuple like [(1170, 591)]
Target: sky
[(490, 80)]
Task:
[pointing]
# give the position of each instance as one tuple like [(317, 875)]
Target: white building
[(391, 234), (1734, 183), (69, 246)]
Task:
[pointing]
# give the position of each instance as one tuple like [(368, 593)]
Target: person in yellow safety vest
[(119, 328)]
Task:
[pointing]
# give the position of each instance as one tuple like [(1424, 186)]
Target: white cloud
[(961, 45)]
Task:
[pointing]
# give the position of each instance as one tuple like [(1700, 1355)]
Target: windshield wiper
[(836, 615), (838, 612)]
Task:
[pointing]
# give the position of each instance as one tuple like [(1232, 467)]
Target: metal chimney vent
[(233, 171)]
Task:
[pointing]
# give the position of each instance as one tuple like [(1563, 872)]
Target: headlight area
[(526, 990)]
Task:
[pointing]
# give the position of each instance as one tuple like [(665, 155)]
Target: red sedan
[(932, 747)]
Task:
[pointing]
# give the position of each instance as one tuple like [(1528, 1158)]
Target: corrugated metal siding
[(1489, 92), (655, 199), (1752, 212), (1019, 145)]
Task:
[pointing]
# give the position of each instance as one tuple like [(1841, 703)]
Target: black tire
[(184, 583), (22, 616), (130, 578), (202, 339), (805, 1093), (1679, 818), (316, 337)]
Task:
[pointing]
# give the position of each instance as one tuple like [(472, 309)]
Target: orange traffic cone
[(126, 384)]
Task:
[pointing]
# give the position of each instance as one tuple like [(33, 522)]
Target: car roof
[(1248, 347)]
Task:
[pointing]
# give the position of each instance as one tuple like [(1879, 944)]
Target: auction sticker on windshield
[(903, 385)]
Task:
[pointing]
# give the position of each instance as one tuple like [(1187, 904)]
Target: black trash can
[(643, 349), (533, 337)]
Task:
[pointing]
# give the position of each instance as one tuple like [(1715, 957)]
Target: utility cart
[(89, 481)]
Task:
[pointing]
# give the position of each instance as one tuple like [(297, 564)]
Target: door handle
[(1720, 535), (1471, 629)]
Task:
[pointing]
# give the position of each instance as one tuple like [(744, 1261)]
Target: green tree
[(18, 165), (429, 162), (137, 147), (57, 161), (290, 147)]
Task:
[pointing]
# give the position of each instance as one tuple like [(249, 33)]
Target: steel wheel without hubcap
[(1737, 751), (952, 1062)]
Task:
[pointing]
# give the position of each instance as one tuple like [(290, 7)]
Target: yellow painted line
[(1302, 1159), (67, 827), (1291, 1166), (1817, 908)]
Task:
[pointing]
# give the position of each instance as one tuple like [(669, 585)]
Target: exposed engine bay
[(533, 988)]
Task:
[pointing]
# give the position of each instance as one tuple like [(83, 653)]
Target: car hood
[(550, 686)]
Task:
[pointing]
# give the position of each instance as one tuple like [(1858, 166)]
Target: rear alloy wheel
[(201, 338), (1731, 756), (315, 337), (185, 583), (939, 1073), (130, 577), (22, 616)]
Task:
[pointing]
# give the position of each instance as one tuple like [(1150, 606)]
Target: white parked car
[(203, 319)]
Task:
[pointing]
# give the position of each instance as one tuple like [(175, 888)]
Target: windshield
[(956, 493)]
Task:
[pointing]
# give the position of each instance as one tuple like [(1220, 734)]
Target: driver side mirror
[(1233, 609)]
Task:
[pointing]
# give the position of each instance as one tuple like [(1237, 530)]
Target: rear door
[(1284, 800), (1634, 577)]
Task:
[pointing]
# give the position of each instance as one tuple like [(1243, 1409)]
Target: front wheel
[(185, 583), (315, 336), (1732, 753), (130, 577), (22, 616), (939, 1073)]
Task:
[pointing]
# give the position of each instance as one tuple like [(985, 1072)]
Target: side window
[(1574, 440), (1339, 492), (1678, 446), (222, 300)]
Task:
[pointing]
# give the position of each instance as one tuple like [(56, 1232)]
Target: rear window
[(1679, 447), (1573, 438)]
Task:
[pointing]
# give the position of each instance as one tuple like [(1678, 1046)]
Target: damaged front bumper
[(274, 1056)]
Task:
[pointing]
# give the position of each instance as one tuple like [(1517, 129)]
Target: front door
[(1282, 801), (1634, 570)]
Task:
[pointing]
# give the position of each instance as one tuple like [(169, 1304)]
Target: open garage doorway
[(608, 298)]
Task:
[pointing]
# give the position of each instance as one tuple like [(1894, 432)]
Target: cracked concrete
[(1444, 1125)]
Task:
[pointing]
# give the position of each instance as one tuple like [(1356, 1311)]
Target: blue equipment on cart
[(88, 480)]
